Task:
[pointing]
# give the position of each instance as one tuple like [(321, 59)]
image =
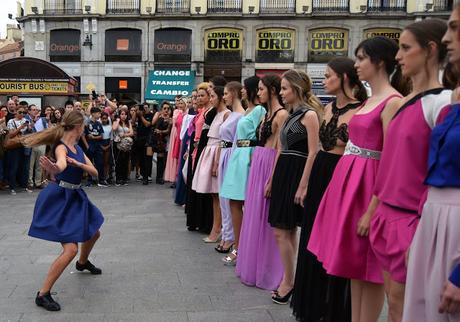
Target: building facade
[(114, 45)]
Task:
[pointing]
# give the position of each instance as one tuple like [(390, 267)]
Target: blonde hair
[(203, 86), (301, 85), (53, 135)]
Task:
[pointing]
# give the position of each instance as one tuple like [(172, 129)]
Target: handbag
[(125, 144)]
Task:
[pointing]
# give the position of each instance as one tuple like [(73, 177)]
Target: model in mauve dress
[(338, 247), (259, 261)]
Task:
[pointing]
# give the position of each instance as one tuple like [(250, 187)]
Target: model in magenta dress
[(259, 262), (338, 247), (399, 183)]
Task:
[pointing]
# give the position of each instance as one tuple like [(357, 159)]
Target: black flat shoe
[(281, 300), (47, 302), (88, 266)]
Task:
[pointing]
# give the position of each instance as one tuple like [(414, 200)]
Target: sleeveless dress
[(399, 183), (284, 213), (234, 184), (227, 133), (66, 215), (203, 180), (318, 296), (171, 161), (199, 205), (259, 262), (340, 249), (434, 252)]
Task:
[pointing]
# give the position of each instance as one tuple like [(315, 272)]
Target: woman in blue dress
[(63, 212)]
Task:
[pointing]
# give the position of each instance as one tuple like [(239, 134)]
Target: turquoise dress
[(235, 179)]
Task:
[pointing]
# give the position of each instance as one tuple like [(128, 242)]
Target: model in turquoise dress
[(236, 176)]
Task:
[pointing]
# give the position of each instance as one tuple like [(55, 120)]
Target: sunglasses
[(20, 112)]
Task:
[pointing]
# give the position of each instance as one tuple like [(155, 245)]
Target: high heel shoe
[(281, 300), (221, 249), (212, 241), (230, 260)]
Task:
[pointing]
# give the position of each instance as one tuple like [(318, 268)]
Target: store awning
[(27, 75), (167, 84)]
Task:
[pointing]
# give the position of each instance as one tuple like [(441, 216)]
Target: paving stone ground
[(153, 268)]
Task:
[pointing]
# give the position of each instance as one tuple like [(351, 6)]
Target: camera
[(94, 94)]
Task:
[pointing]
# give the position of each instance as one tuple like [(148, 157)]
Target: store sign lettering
[(179, 48), (391, 33), (275, 39), (34, 87), (225, 40), (64, 48), (328, 41)]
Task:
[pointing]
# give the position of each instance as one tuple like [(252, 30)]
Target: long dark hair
[(273, 84), (345, 66), (219, 90), (382, 49), (251, 85)]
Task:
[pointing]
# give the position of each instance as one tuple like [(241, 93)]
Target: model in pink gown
[(171, 162), (334, 239)]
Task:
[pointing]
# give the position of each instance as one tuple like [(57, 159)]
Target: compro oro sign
[(166, 84), (391, 33), (275, 45), (327, 43), (11, 87), (223, 39)]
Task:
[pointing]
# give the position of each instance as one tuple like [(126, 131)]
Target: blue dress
[(235, 179), (66, 215)]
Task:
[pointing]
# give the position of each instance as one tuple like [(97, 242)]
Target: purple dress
[(259, 261), (227, 133)]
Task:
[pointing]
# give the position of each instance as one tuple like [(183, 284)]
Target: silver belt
[(350, 148), (68, 185)]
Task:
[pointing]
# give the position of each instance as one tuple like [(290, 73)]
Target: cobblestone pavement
[(153, 268)]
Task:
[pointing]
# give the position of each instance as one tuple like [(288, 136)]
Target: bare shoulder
[(310, 118), (392, 107)]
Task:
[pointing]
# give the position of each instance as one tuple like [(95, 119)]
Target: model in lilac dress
[(227, 133), (259, 262)]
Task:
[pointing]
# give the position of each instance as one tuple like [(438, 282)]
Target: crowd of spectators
[(119, 139)]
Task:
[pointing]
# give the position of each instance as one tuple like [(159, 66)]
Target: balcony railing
[(330, 6), (123, 6), (277, 6), (173, 6), (442, 5), (62, 7), (224, 6), (386, 5)]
